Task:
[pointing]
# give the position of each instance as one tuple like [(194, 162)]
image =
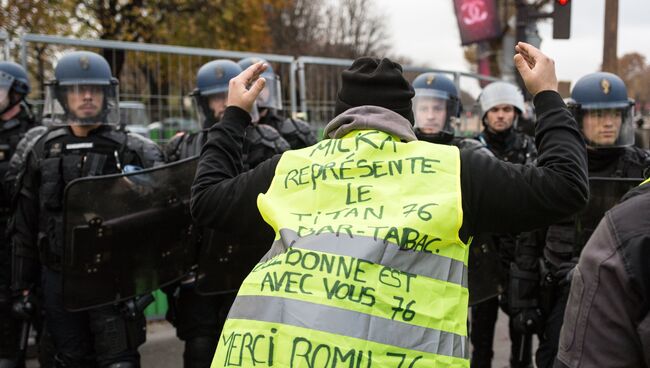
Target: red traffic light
[(562, 2)]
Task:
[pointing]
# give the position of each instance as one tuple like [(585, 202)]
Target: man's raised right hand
[(536, 69), (244, 88)]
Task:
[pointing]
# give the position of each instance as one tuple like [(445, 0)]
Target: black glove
[(527, 321)]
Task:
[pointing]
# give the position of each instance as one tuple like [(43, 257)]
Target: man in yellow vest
[(370, 228)]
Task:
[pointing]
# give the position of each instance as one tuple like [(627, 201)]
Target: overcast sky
[(427, 32)]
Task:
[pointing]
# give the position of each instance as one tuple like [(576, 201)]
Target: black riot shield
[(485, 272), (604, 193), (127, 234), (226, 260)]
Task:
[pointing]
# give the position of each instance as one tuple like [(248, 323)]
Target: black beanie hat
[(371, 81)]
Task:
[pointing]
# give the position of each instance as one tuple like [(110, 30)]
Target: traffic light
[(561, 19)]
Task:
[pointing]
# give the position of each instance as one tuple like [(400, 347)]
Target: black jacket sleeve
[(221, 198), (503, 197)]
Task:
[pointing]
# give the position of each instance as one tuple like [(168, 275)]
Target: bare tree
[(344, 29), (295, 26), (353, 29)]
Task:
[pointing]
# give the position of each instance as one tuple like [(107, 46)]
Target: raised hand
[(244, 88), (536, 69)]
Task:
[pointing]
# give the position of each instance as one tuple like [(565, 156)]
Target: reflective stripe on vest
[(367, 269)]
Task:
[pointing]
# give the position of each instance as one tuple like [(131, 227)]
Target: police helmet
[(436, 106), (14, 85), (83, 91), (271, 95), (603, 110), (212, 81)]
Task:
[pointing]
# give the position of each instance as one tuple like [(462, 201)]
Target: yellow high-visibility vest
[(646, 181), (366, 270)]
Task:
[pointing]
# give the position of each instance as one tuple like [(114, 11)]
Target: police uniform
[(511, 146), (617, 159), (14, 86), (199, 318), (561, 249), (296, 132), (56, 159), (104, 336), (11, 132)]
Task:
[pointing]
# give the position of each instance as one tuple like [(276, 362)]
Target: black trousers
[(198, 320), (9, 326), (549, 342), (94, 338), (484, 318)]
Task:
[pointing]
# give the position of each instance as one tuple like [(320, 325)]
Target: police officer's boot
[(199, 352)]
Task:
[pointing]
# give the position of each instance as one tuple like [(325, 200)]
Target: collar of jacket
[(370, 118)]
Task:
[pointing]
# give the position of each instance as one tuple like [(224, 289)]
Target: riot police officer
[(605, 115), (269, 104), (15, 119), (502, 104), (198, 318), (82, 101), (262, 141), (437, 108)]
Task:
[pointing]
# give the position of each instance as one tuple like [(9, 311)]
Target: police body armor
[(296, 132), (62, 158), (515, 147), (261, 143), (184, 145)]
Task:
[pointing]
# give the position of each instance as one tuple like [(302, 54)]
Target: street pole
[(610, 60), (522, 23)]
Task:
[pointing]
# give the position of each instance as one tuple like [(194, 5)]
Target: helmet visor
[(607, 128), (433, 111), (209, 108), (82, 104), (271, 95), (6, 81)]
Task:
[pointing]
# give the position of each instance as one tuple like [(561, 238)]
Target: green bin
[(158, 308)]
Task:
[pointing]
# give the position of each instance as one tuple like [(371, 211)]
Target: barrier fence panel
[(154, 78), (157, 80), (320, 78)]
